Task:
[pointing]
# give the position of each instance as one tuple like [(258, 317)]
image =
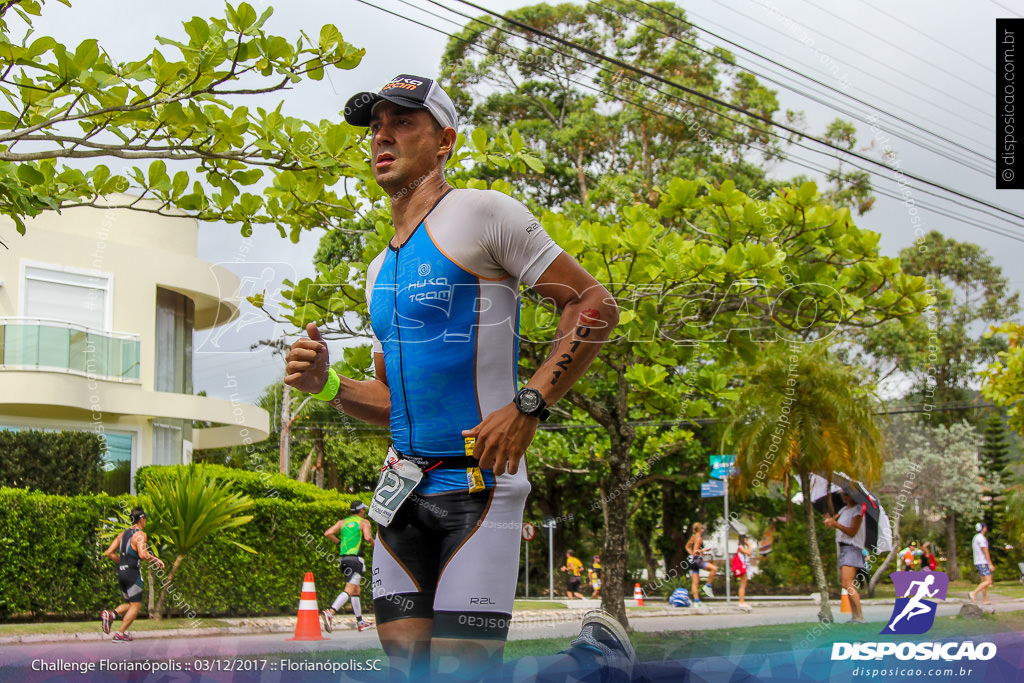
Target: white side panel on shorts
[(482, 575)]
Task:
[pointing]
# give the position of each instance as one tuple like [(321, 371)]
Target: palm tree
[(801, 411), (188, 506)]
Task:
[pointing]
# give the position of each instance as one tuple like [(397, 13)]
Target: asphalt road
[(227, 648)]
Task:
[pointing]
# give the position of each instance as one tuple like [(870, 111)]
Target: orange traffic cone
[(308, 626), (844, 606), (638, 595)]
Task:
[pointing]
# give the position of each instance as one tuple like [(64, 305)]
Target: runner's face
[(403, 146)]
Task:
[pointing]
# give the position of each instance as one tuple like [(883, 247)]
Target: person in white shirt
[(983, 561), (848, 523)]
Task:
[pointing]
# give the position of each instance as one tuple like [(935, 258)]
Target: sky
[(929, 62)]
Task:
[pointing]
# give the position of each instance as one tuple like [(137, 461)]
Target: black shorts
[(574, 584), (454, 558), (352, 567), (129, 579)]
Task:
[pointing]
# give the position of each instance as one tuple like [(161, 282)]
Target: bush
[(50, 555), (252, 484), (788, 565), (65, 463), (51, 560)]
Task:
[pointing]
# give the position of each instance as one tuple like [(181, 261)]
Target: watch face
[(529, 400)]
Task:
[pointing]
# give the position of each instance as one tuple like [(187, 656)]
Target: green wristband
[(330, 389)]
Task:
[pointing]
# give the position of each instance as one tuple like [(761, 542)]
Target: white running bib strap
[(398, 478)]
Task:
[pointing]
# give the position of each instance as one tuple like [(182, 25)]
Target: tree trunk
[(817, 569), (673, 524), (615, 543), (888, 558), (952, 566), (643, 537), (165, 589)]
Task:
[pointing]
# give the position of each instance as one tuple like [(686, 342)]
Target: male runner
[(983, 561), (131, 549), (574, 567), (443, 299), (354, 529)]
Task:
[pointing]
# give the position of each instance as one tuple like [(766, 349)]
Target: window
[(117, 465), (70, 297), (170, 438), (175, 314)]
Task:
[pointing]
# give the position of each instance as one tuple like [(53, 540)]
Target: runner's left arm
[(139, 540), (367, 531), (588, 316)]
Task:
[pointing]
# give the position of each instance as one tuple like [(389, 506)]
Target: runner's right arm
[(332, 533), (367, 400)]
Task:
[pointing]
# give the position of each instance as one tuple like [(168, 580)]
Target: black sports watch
[(531, 403)]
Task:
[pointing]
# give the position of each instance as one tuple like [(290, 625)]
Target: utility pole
[(286, 423)]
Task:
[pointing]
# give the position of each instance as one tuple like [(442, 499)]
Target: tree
[(188, 507), (994, 459), (945, 461), (1004, 377), (803, 412), (698, 281), (185, 108), (601, 145), (942, 350)]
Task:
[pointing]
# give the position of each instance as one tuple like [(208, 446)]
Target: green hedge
[(51, 560), (253, 484), (66, 463), (50, 555)]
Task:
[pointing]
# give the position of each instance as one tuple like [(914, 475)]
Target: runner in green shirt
[(354, 529)]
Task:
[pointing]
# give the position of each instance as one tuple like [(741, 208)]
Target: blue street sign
[(712, 489), (722, 466)]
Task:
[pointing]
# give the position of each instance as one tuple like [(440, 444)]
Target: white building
[(97, 313)]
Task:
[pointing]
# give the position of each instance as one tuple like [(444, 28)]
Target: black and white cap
[(356, 506), (414, 92)]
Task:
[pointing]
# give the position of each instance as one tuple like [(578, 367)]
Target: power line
[(853, 97), (621, 64), (944, 45), (906, 52), (1013, 12), (799, 161), (826, 85), (815, 98)]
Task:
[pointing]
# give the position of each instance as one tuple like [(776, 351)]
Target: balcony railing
[(54, 346)]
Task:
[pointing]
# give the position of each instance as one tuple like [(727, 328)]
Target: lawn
[(87, 626)]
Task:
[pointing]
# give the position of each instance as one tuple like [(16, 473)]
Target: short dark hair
[(136, 514)]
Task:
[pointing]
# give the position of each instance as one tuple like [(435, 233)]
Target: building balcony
[(55, 346)]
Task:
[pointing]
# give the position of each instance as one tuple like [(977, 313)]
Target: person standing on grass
[(354, 529), (131, 549), (983, 561), (848, 524)]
